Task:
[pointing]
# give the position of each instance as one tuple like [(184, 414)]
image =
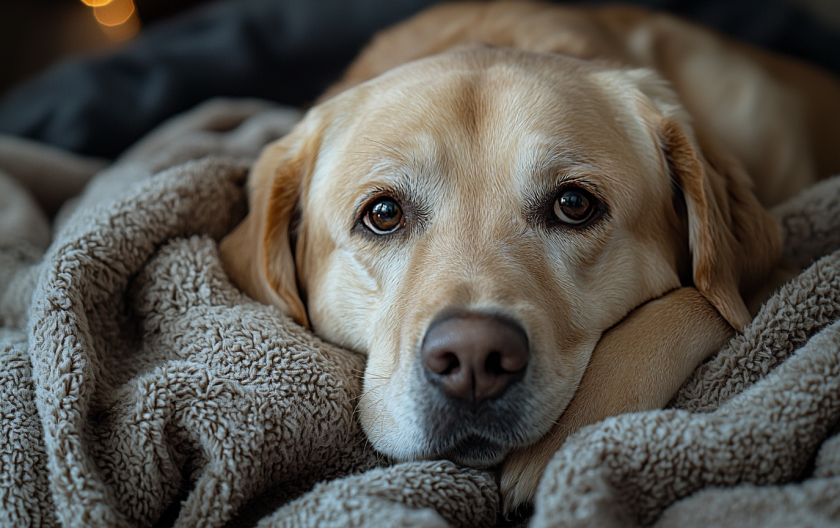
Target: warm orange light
[(123, 31), (96, 3), (114, 13)]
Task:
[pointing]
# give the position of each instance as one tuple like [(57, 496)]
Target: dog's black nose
[(475, 357)]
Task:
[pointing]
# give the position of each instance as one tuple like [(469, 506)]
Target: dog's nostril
[(494, 363), (475, 357), (444, 364), (452, 364)]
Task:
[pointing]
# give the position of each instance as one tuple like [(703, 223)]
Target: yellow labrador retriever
[(509, 205)]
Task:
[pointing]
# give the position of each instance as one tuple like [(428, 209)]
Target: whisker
[(370, 390), (377, 402), (373, 424), (370, 376)]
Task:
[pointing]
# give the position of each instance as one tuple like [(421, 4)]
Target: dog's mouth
[(473, 450), (477, 435)]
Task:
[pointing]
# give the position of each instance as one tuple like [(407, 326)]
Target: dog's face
[(474, 222)]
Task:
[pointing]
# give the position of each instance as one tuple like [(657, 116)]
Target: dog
[(531, 217)]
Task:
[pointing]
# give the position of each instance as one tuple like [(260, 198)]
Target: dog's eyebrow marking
[(412, 161), (560, 158), (555, 167), (554, 161)]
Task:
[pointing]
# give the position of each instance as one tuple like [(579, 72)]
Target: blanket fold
[(140, 387)]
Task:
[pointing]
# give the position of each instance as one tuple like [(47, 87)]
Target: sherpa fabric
[(140, 388)]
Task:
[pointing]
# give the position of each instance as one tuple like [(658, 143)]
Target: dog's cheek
[(388, 408), (372, 404), (342, 303)]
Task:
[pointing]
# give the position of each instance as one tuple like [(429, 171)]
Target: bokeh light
[(114, 13), (123, 31), (117, 18)]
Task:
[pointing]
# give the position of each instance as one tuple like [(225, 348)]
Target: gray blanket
[(139, 387)]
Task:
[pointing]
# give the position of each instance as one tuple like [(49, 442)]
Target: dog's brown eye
[(384, 216), (574, 206)]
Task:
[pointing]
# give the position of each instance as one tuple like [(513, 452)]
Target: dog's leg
[(637, 366)]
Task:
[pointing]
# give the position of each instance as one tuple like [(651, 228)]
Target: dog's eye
[(574, 206), (384, 215)]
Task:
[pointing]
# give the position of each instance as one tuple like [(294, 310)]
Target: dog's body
[(479, 220)]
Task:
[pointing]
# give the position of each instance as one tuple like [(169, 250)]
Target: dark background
[(109, 86), (36, 33)]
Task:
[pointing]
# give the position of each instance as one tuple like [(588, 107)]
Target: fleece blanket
[(139, 387)]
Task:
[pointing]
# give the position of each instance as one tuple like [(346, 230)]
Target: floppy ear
[(258, 254), (734, 242)]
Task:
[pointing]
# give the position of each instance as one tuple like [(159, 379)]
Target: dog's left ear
[(734, 242), (258, 255)]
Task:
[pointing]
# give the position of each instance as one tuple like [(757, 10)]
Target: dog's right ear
[(258, 255)]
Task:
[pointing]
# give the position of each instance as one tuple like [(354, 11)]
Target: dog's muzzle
[(473, 365)]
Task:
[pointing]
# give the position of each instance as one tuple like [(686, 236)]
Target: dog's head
[(475, 221)]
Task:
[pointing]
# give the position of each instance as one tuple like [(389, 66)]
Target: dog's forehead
[(504, 118), (487, 101)]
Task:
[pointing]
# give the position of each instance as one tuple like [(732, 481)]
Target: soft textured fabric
[(139, 387)]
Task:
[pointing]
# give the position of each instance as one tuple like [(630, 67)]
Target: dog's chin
[(474, 451)]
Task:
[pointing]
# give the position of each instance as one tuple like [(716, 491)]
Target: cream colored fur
[(468, 113)]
